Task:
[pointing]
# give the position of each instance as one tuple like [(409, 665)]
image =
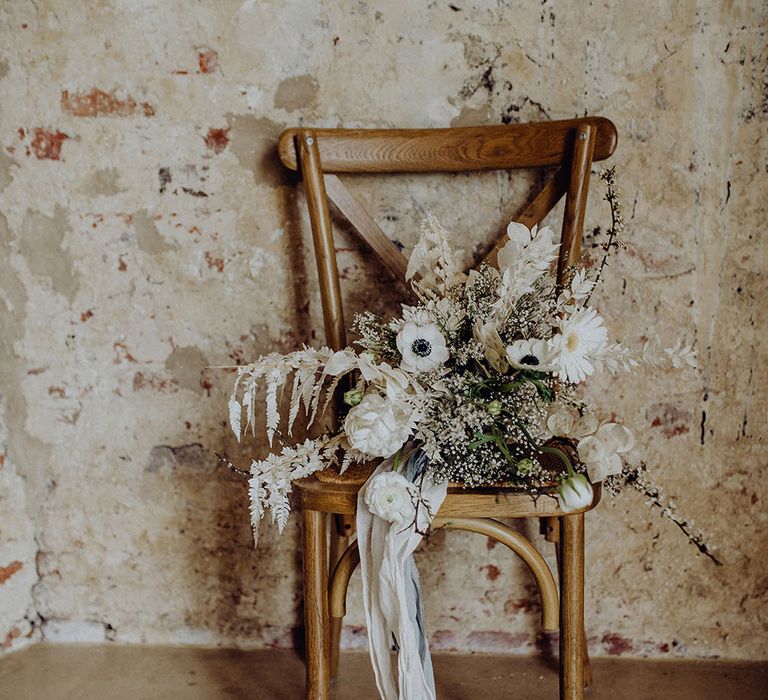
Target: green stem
[(398, 457), (548, 450)]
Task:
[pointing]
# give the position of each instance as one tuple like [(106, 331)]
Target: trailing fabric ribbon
[(391, 591)]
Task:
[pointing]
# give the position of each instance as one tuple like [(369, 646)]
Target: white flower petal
[(605, 467), (560, 423), (618, 437), (592, 449), (585, 425), (534, 351)]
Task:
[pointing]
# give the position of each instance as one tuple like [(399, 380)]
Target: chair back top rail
[(532, 145)]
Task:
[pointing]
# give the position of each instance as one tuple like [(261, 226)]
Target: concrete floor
[(111, 672)]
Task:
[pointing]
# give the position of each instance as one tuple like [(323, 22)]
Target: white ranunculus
[(599, 453), (529, 354), (575, 493), (493, 347), (421, 346), (391, 496), (378, 426)]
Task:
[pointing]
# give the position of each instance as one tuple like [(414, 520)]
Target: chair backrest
[(568, 147)]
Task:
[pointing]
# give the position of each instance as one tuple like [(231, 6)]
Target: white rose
[(422, 346), (575, 493), (391, 496), (377, 426)]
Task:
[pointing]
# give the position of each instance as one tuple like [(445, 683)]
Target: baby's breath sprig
[(375, 335)]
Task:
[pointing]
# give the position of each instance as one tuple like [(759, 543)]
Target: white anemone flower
[(422, 346), (581, 340), (529, 354)]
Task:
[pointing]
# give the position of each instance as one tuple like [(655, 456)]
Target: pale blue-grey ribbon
[(391, 591)]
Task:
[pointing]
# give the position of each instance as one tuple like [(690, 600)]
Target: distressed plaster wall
[(148, 232)]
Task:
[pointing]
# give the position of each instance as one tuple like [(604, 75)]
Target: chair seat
[(461, 502)]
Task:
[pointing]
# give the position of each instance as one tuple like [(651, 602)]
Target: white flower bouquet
[(481, 375), (476, 383)]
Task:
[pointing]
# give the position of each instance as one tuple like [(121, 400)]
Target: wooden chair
[(568, 147)]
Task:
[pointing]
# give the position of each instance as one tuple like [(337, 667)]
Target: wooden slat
[(531, 145), (369, 230), (460, 502), (322, 235), (536, 210), (576, 200)]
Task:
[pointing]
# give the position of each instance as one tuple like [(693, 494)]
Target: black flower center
[(529, 360), (421, 347)]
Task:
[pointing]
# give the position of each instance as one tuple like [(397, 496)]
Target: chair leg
[(572, 643), (316, 605), (339, 540), (550, 528)]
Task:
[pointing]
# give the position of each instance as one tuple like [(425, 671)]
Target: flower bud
[(525, 466), (494, 407), (353, 397), (575, 493)]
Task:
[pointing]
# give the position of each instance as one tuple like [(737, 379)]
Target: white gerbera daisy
[(422, 346), (581, 339), (529, 354)]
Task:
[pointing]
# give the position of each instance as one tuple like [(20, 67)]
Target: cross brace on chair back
[(568, 148)]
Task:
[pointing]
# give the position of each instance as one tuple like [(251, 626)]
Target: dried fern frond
[(274, 370)]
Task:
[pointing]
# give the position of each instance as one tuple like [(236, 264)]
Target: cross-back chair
[(568, 148)]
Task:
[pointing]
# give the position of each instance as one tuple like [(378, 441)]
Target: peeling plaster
[(41, 245), (296, 93)]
